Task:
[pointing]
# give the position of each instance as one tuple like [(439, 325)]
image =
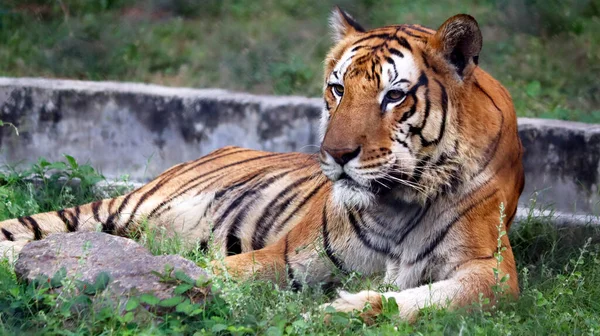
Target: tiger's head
[(399, 110)]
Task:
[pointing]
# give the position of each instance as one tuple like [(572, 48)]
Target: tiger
[(418, 172)]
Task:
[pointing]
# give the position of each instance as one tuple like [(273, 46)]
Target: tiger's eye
[(394, 95), (338, 89)]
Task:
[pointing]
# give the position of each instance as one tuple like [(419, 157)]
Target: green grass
[(546, 52), (559, 278)]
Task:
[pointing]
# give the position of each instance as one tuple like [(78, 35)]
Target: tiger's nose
[(342, 155)]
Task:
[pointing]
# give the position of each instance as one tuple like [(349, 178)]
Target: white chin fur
[(350, 196)]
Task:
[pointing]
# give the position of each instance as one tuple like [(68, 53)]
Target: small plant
[(2, 123), (500, 280)]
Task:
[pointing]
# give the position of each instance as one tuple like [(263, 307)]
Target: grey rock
[(562, 164), (85, 255)]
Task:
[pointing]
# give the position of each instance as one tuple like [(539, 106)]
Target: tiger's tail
[(105, 215)]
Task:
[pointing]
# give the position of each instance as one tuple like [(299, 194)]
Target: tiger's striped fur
[(419, 150)]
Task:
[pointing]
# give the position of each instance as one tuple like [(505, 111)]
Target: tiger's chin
[(350, 194)]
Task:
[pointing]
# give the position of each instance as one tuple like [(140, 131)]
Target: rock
[(86, 256), (562, 163)]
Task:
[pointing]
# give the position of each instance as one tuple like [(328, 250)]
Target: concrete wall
[(140, 130)]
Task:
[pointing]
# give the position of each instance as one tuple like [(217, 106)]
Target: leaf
[(128, 317), (218, 327), (184, 307), (180, 275), (203, 281), (132, 304), (72, 161), (102, 280), (55, 165), (300, 324), (149, 299), (58, 277), (183, 288), (171, 302), (274, 331), (87, 288)]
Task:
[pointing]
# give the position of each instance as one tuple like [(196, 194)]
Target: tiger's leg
[(295, 258), (460, 290)]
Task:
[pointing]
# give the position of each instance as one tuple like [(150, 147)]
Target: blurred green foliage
[(546, 52)]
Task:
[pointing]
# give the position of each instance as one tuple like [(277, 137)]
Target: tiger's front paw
[(366, 302)]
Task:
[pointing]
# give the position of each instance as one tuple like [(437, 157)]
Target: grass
[(546, 52), (559, 277)]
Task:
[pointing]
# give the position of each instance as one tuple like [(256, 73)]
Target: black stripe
[(396, 52), (142, 199), (110, 221), (352, 22), (327, 244), (487, 94), (236, 202), (108, 226), (419, 29), (413, 223), (160, 209), (271, 213), (417, 130), (233, 243), (96, 210), (37, 232), (403, 42), (413, 35), (8, 235), (363, 237), (305, 200), (186, 186), (63, 218), (492, 148), (425, 60), (245, 180), (210, 158), (295, 284), (75, 220), (444, 98), (411, 112), (374, 36), (180, 192), (440, 237), (246, 193), (24, 223)]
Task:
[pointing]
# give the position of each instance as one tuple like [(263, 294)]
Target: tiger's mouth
[(348, 182)]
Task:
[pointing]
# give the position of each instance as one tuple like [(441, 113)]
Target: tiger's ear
[(343, 25), (459, 41)]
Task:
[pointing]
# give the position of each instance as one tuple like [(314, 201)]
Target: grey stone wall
[(140, 130)]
